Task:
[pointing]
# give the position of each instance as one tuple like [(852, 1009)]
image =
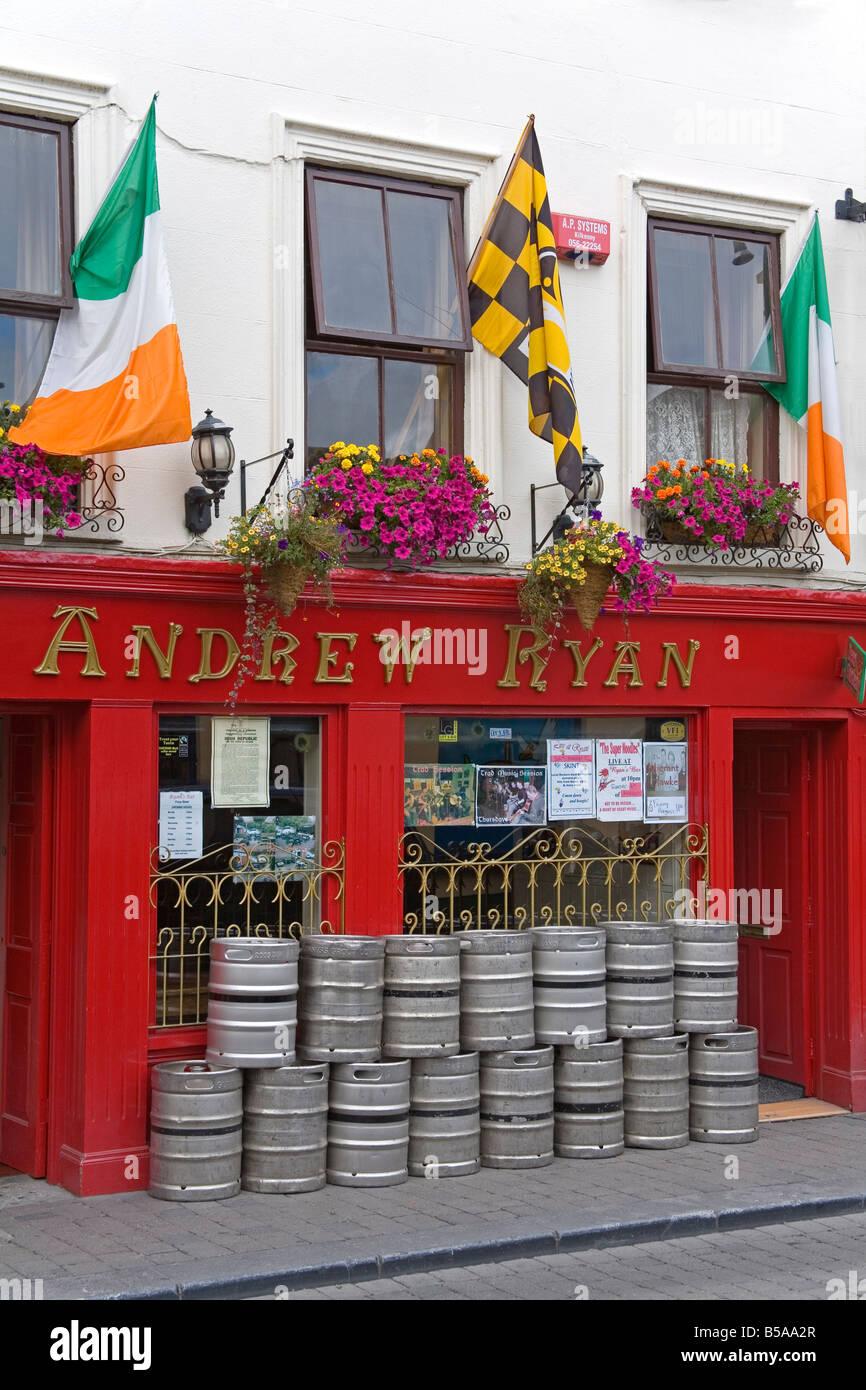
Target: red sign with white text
[(574, 235)]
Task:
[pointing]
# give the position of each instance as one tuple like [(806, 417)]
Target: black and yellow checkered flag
[(515, 304)]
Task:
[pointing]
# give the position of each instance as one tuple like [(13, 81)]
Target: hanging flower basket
[(589, 596), (581, 568), (286, 583)]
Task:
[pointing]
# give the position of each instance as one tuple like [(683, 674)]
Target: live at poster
[(619, 779), (511, 796), (666, 781), (439, 794), (571, 778)]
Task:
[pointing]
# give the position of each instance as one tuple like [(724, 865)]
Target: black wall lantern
[(582, 502), (213, 456)]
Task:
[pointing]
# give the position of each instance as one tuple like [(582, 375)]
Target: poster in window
[(618, 779), (439, 794), (666, 782), (180, 825), (240, 760), (511, 796), (294, 843), (571, 778), (255, 845)]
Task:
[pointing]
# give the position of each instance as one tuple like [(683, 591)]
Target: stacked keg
[(362, 1060)]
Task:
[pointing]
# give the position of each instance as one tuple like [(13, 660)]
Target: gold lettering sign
[(625, 663), (327, 658), (50, 663), (283, 653), (233, 651), (537, 653), (406, 650), (581, 662), (164, 660), (684, 671)]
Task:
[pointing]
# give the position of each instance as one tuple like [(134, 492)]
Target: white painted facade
[(716, 110)]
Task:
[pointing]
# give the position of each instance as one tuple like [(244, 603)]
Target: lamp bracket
[(848, 209)]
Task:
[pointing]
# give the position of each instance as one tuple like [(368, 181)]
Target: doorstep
[(806, 1109)]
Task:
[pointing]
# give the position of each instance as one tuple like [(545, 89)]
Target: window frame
[(708, 384), (385, 183), (22, 303), (712, 231)]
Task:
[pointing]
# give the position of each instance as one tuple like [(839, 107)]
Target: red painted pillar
[(374, 819), (720, 797), (100, 975)]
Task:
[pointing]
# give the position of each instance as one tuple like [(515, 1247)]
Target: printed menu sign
[(571, 778), (240, 759), (666, 781), (618, 779), (180, 825)]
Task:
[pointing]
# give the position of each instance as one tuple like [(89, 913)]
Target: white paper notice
[(619, 779), (180, 825), (666, 781), (240, 759), (571, 778)]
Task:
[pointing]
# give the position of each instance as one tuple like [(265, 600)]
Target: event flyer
[(439, 794), (666, 782), (571, 778), (511, 796), (619, 779)]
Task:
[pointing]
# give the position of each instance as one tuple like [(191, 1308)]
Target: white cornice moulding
[(296, 143), (44, 94)]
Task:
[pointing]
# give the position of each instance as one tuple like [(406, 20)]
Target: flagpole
[(509, 171)]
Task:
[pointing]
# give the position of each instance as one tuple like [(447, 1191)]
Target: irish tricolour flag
[(811, 393), (115, 377)]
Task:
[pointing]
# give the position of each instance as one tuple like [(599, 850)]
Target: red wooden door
[(25, 877), (771, 854)]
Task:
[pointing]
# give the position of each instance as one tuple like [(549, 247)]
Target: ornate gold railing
[(549, 877), (225, 893)]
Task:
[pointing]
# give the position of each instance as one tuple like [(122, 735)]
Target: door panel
[(771, 855), (25, 876)]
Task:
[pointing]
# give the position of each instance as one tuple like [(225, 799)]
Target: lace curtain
[(676, 425)]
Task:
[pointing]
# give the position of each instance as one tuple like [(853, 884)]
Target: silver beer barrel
[(340, 1003), (285, 1128), (587, 1101), (368, 1124), (444, 1117), (517, 1108), (421, 998), (705, 976), (196, 1120), (252, 1002), (656, 1092), (496, 1007), (568, 967), (723, 1087), (640, 979)]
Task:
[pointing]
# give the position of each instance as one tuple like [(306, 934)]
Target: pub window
[(387, 314), (36, 240), (713, 335)]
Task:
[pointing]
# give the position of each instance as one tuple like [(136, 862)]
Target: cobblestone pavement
[(132, 1245), (791, 1262)]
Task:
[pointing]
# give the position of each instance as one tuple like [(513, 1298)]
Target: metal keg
[(368, 1124), (640, 979), (723, 1087), (656, 1092), (196, 1119), (496, 1009), (421, 998), (517, 1108), (341, 998), (444, 1117), (705, 976), (252, 1002), (285, 1128), (587, 1101), (568, 967)]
